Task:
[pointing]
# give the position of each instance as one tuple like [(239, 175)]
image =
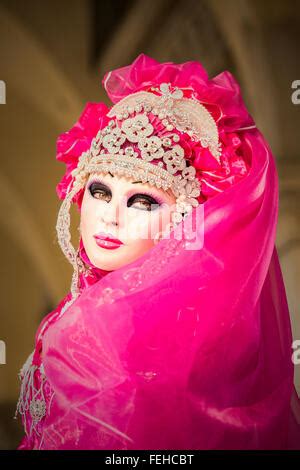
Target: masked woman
[(176, 331)]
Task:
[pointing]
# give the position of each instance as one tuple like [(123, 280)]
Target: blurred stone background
[(53, 55)]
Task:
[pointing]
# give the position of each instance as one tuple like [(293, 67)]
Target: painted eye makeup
[(145, 201), (99, 189), (142, 201)]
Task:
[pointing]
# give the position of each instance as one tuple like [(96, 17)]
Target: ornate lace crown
[(127, 145)]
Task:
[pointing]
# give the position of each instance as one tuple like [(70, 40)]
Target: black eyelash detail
[(155, 199), (104, 186), (149, 194)]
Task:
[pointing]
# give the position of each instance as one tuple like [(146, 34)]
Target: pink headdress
[(170, 124), (220, 96)]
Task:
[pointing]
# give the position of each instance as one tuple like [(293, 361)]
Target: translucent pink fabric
[(190, 346)]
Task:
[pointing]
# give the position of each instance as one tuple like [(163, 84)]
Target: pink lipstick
[(107, 241)]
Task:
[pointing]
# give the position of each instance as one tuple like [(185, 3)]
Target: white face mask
[(129, 213)]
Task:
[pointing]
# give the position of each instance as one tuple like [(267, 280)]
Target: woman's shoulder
[(51, 315)]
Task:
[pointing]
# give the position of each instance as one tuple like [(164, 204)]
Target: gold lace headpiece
[(112, 149)]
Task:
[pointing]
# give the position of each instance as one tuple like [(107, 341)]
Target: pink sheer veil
[(190, 346)]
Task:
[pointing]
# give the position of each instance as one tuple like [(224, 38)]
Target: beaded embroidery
[(175, 112)]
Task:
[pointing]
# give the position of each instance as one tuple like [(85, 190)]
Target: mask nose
[(109, 215)]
